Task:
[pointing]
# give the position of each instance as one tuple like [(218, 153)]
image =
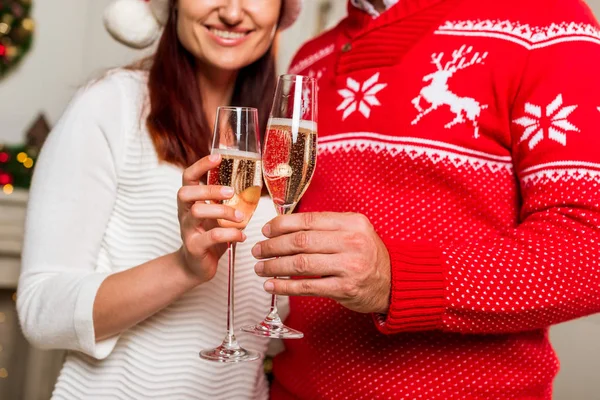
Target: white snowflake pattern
[(553, 123), (360, 97)]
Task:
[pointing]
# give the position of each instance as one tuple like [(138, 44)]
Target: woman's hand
[(203, 240)]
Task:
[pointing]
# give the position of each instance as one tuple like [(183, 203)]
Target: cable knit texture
[(467, 132), (101, 202)]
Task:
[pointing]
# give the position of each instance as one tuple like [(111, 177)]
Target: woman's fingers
[(192, 174), (203, 211), (194, 193), (217, 236)]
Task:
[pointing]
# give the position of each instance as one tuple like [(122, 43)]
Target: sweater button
[(347, 47)]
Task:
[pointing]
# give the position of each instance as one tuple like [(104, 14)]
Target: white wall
[(70, 46), (306, 27)]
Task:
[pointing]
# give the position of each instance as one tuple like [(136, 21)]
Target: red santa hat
[(137, 23)]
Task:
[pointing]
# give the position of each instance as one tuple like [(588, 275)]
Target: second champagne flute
[(236, 140), (289, 160)]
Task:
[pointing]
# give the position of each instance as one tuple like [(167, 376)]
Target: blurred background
[(59, 46)]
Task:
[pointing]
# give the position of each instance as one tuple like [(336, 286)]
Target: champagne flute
[(236, 139), (289, 160)]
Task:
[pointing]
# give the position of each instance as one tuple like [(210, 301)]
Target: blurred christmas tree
[(16, 167), (17, 161), (16, 32)]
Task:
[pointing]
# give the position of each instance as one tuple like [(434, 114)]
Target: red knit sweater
[(468, 131)]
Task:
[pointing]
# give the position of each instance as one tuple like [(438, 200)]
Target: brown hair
[(176, 121)]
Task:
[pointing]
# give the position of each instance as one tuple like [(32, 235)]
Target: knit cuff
[(84, 322), (417, 296)]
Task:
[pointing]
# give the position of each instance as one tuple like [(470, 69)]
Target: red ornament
[(2, 50), (4, 157), (5, 179)]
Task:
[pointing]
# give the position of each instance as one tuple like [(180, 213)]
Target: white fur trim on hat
[(132, 23), (137, 23), (160, 8)]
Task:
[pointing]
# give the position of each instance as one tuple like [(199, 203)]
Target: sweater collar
[(359, 21), (367, 7)]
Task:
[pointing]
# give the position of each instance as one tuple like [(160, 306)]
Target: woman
[(121, 263)]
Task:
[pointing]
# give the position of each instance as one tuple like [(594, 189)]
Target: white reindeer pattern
[(437, 93)]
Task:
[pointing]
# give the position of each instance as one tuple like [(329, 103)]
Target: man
[(455, 211)]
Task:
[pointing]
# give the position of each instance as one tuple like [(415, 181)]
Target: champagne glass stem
[(230, 350), (272, 326), (230, 338), (286, 209), (273, 316)]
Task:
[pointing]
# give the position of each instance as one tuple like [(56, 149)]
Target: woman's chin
[(228, 62)]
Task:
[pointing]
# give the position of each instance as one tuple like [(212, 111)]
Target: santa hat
[(137, 23)]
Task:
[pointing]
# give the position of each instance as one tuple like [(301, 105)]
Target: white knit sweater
[(101, 202)]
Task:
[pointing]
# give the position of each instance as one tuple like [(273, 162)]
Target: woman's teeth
[(227, 34)]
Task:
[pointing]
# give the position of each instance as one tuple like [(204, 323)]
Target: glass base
[(229, 355), (273, 330)]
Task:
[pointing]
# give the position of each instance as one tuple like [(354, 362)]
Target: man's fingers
[(193, 173), (308, 242), (299, 265), (322, 287), (323, 221)]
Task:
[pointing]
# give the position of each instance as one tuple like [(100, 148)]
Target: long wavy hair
[(176, 120)]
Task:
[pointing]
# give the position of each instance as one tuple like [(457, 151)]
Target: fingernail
[(269, 287), (239, 215), (266, 230), (227, 191), (214, 157), (256, 250), (244, 237), (259, 268)]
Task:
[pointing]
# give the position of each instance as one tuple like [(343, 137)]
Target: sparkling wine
[(241, 171), (289, 160)]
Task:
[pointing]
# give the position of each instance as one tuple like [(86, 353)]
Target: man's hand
[(339, 255)]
